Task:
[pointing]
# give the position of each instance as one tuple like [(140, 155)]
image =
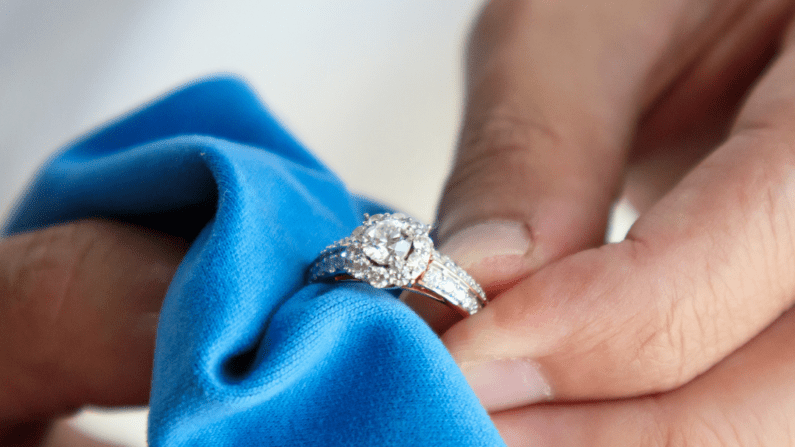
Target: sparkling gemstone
[(401, 248), (396, 250), (387, 239), (378, 253), (431, 278)]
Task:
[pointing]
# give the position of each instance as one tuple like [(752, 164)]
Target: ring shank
[(442, 280)]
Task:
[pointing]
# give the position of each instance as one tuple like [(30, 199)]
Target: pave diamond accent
[(447, 279)]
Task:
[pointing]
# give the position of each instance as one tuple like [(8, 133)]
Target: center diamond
[(386, 241), (390, 250)]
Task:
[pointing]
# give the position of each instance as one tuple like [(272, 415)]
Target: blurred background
[(374, 88)]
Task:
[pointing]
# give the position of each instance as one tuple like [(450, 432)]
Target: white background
[(373, 87)]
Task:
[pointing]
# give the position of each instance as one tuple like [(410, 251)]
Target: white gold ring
[(395, 251)]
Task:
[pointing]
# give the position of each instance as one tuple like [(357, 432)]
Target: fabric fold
[(247, 352)]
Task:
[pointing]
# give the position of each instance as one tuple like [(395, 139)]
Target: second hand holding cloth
[(247, 352)]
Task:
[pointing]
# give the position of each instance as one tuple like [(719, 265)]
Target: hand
[(681, 334), (78, 312)]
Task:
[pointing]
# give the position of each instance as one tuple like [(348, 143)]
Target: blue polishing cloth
[(248, 353)]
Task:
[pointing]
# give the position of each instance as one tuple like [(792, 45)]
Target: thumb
[(701, 273), (541, 151), (78, 314)]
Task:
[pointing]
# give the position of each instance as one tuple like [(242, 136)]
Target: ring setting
[(395, 251)]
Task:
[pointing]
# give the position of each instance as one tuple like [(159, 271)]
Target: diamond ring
[(395, 251)]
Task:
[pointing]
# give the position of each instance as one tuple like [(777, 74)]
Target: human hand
[(78, 314), (681, 334)]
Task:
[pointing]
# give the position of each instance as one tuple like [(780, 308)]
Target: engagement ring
[(395, 251)]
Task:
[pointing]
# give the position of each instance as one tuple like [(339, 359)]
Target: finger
[(696, 112), (554, 90), (747, 399), (701, 273), (540, 152), (79, 306), (548, 112), (525, 188)]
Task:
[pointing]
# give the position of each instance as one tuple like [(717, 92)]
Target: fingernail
[(507, 383), (496, 248)]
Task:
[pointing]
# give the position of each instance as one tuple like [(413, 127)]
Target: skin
[(680, 335), (79, 312)]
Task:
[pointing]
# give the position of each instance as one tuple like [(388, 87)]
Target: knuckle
[(56, 313), (669, 344), (497, 151), (505, 128), (665, 334), (40, 292), (690, 323), (48, 265), (500, 165)]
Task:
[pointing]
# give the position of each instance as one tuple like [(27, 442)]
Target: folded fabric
[(249, 353)]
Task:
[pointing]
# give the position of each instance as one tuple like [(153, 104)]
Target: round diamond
[(395, 248)]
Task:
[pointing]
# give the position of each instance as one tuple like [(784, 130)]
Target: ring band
[(395, 251)]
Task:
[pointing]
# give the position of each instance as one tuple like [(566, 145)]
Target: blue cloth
[(247, 352)]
